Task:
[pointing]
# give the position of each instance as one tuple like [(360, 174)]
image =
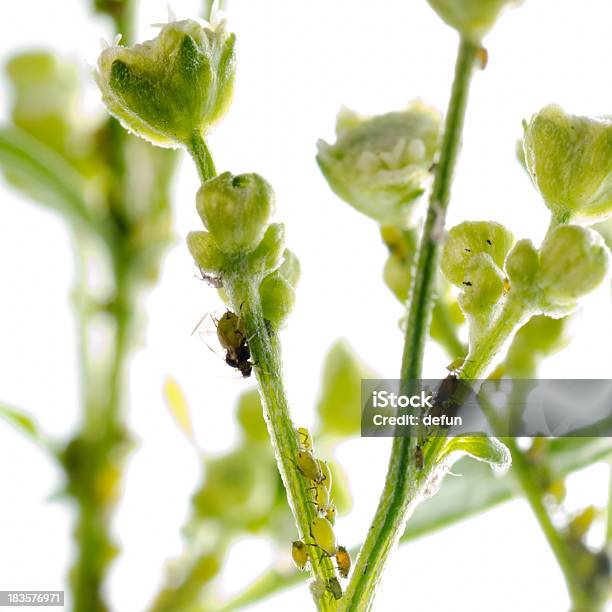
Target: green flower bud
[(167, 88), (236, 210), (277, 290), (46, 95), (402, 245), (522, 265), (483, 285), (205, 252), (569, 159), (469, 239), (381, 165), (397, 277), (573, 262), (472, 18), (269, 254)]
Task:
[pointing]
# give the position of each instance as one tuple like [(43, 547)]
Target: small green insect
[(343, 560), (331, 513), (309, 466), (333, 586), (322, 532), (299, 552), (327, 476), (304, 439), (321, 498)]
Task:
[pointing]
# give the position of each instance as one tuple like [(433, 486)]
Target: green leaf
[(44, 175), (23, 422), (482, 448), (339, 405), (250, 416)]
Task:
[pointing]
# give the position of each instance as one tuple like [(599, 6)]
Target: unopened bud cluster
[(240, 240)]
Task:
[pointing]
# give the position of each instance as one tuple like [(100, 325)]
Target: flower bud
[(236, 210), (277, 290), (168, 88), (573, 262), (522, 264), (569, 159), (483, 285), (269, 253), (204, 251), (471, 18), (469, 239), (380, 165)]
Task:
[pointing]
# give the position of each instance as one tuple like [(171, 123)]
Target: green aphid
[(331, 513), (299, 552), (321, 498), (333, 586), (322, 533), (304, 439), (327, 477), (308, 466)]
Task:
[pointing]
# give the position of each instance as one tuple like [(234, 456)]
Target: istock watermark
[(516, 408)]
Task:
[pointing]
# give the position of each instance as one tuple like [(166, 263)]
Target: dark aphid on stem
[(418, 457), (333, 586), (445, 403), (234, 341), (343, 560)]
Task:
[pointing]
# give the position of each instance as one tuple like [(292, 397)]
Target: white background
[(298, 62)]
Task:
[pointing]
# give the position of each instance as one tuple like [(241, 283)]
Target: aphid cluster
[(321, 526)]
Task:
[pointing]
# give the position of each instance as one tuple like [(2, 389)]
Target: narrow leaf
[(178, 406), (44, 174)]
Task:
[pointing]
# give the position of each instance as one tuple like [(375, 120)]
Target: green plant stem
[(399, 492), (266, 355), (524, 473), (609, 511), (202, 157)]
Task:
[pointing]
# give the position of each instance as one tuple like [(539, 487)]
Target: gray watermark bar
[(31, 598), (503, 407)]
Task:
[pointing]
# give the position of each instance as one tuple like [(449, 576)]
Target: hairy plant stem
[(266, 355), (401, 484), (201, 156), (242, 289)]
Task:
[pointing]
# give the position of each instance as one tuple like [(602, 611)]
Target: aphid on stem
[(299, 553), (233, 340), (214, 281), (343, 560)]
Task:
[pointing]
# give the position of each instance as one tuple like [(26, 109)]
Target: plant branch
[(400, 489), (266, 355), (527, 478)]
